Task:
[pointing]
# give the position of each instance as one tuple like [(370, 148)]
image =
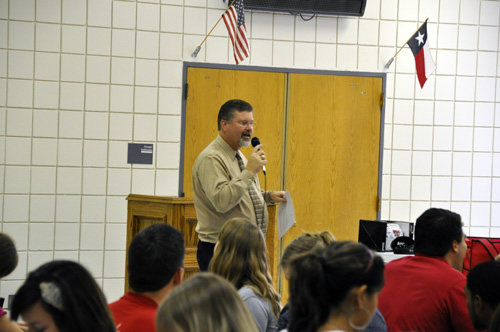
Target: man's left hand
[(277, 196)]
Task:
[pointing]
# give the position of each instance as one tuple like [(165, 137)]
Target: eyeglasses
[(245, 124)]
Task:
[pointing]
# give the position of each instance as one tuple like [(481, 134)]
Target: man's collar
[(226, 147)]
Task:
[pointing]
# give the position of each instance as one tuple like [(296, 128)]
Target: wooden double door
[(321, 135)]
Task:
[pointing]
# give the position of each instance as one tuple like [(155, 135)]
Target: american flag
[(234, 18)]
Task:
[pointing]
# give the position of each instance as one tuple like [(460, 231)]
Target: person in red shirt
[(155, 267), (426, 292)]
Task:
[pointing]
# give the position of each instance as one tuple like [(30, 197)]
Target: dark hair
[(321, 280), (227, 110), (484, 280), (84, 305), (155, 254), (435, 231), (8, 255)]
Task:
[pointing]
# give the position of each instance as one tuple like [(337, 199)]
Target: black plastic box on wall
[(321, 7), (373, 233)]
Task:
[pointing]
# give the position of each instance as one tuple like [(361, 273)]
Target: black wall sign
[(139, 153)]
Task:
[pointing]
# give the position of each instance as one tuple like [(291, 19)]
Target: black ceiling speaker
[(320, 7)]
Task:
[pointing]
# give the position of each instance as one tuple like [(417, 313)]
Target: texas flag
[(423, 57)]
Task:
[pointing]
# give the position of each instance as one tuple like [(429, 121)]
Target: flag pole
[(197, 50), (388, 64)]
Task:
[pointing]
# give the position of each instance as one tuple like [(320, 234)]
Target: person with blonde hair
[(241, 258), (335, 289), (300, 245), (204, 303)]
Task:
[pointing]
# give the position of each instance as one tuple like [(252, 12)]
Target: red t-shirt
[(424, 294), (134, 312)]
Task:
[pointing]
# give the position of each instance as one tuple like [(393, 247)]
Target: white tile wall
[(93, 261), (73, 39), (68, 208), (43, 180), (48, 11), (66, 236), (98, 69), (94, 181), (99, 13), (81, 79), (48, 37), (93, 208), (46, 95), (44, 151), (42, 208)]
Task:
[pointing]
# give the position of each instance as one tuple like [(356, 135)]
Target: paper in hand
[(286, 215)]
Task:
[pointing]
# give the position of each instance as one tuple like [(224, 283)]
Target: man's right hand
[(257, 160)]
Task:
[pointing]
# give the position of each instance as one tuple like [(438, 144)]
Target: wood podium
[(179, 212)]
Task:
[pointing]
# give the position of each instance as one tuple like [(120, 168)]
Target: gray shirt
[(260, 309)]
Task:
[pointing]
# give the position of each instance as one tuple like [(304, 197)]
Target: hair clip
[(51, 294), (370, 263)]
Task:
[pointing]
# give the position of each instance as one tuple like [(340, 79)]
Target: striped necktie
[(257, 203)]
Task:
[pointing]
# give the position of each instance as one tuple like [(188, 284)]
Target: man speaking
[(225, 184)]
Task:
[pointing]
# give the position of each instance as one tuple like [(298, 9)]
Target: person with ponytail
[(335, 289), (241, 258), (302, 244)]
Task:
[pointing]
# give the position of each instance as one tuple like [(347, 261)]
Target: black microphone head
[(255, 141)]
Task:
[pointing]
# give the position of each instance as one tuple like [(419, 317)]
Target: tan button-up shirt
[(221, 190)]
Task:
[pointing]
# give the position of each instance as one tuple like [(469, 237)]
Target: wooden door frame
[(187, 65)]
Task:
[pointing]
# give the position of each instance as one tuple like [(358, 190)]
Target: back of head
[(241, 258), (484, 280), (70, 295), (204, 303), (8, 255), (304, 243), (240, 253), (321, 281), (155, 254), (435, 231), (227, 110)]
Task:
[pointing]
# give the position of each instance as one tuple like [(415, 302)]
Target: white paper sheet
[(286, 215)]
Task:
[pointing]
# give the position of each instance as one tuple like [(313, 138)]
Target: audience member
[(155, 267), (300, 245), (241, 258), (425, 292), (334, 289), (62, 296), (8, 262), (204, 303), (483, 295)]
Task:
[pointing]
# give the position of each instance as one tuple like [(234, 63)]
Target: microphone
[(255, 142)]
